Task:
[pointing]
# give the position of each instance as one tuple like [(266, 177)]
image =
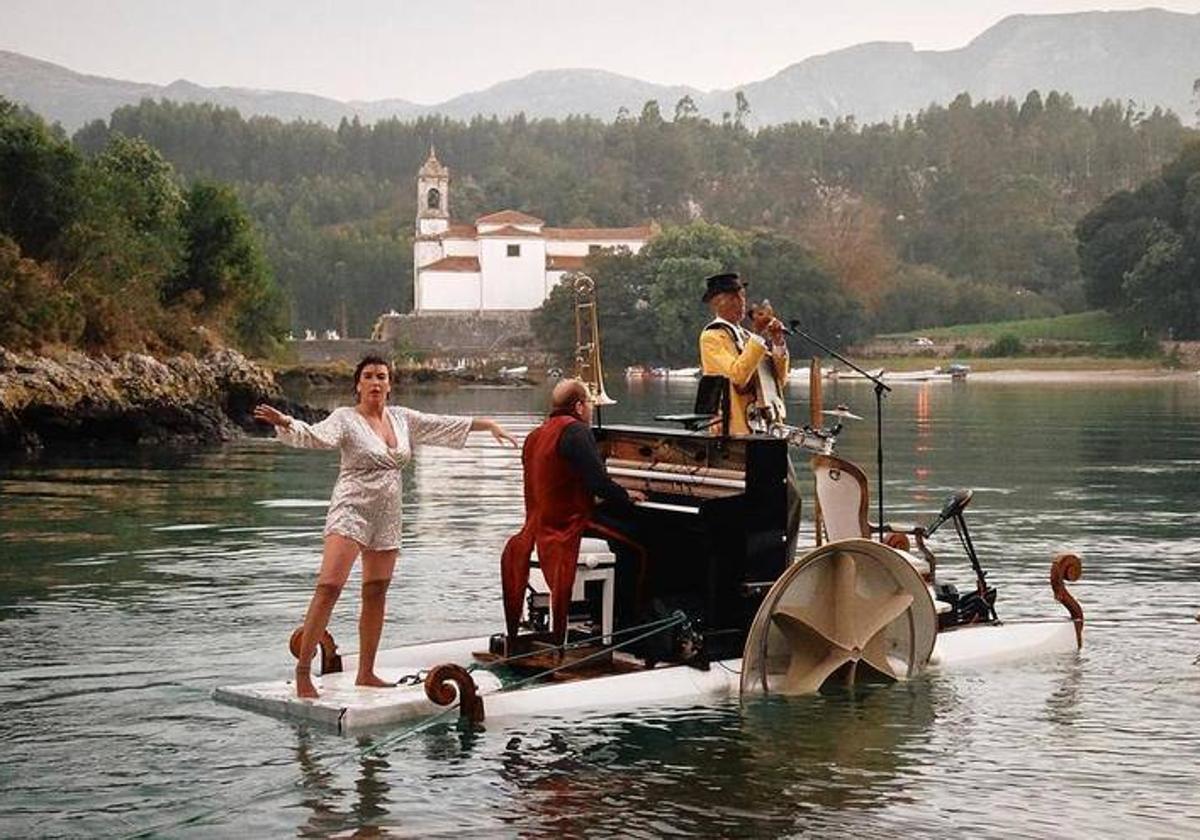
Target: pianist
[(564, 475)]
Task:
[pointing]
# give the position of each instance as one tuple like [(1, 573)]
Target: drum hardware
[(841, 411)]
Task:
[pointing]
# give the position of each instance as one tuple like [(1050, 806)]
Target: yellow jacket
[(719, 355)]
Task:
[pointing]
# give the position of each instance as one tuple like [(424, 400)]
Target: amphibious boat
[(714, 606)]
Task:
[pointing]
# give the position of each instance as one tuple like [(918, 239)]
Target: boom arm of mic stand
[(880, 388)]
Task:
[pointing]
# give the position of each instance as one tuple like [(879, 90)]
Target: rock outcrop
[(77, 400)]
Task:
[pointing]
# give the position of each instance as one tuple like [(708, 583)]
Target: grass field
[(1096, 326)]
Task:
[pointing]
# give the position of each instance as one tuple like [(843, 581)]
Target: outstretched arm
[(449, 430), (324, 435)]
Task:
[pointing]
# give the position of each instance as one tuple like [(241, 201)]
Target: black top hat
[(719, 283)]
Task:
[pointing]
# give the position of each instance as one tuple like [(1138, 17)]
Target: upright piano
[(714, 526)]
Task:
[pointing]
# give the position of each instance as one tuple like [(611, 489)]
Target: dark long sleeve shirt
[(579, 448)]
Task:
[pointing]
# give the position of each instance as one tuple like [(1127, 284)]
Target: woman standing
[(376, 441)]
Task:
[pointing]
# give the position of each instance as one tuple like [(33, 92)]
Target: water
[(132, 583)]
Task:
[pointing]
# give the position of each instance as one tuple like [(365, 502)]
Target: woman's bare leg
[(377, 576), (336, 561)]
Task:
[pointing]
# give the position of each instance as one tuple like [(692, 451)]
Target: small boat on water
[(850, 375), (514, 372)]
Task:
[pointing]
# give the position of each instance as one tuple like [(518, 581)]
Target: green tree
[(224, 277)]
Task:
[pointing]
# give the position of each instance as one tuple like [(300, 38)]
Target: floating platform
[(346, 708)]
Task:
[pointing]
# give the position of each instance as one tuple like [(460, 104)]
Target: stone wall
[(493, 336), (348, 351)]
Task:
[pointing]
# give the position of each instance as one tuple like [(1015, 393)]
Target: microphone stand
[(880, 388)]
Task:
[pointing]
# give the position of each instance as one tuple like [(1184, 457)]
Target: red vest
[(557, 509)]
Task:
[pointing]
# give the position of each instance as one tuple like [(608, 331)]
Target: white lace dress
[(366, 502)]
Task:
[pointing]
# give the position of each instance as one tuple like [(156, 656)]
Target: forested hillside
[(113, 252), (963, 212)]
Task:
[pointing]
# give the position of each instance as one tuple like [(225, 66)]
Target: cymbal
[(842, 412)]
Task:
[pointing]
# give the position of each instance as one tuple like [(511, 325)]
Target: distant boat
[(684, 373), (521, 370), (635, 372), (838, 373)]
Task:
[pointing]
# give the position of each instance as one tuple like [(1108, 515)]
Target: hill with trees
[(112, 252), (963, 212)]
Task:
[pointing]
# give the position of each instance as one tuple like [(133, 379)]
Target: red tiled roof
[(509, 230), (643, 232), (562, 262), (457, 230), (453, 264), (509, 217)]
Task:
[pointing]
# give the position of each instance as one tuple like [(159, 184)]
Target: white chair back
[(843, 494)]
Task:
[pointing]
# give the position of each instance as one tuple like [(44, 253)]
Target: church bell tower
[(433, 197)]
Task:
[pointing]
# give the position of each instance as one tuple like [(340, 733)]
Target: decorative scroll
[(1068, 567), (331, 660), (446, 682)]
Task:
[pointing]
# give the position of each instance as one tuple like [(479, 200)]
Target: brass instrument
[(587, 339)]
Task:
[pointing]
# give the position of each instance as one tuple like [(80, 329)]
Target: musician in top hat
[(756, 365), (728, 349)]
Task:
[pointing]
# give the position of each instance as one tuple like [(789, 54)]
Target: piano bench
[(596, 563)]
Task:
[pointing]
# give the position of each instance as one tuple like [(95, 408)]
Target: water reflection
[(132, 583)]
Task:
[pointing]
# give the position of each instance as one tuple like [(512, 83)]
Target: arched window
[(433, 199)]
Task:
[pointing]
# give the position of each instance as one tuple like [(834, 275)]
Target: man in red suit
[(564, 475)]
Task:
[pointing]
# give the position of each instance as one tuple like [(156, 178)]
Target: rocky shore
[(78, 400)]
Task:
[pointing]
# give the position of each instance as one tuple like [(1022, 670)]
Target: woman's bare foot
[(304, 684), (373, 681)]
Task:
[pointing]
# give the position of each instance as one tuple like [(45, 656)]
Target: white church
[(504, 261)]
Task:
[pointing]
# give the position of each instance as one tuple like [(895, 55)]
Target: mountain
[(1149, 56), (75, 98)]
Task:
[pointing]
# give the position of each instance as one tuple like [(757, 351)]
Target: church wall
[(461, 247), (449, 290), (513, 282), (427, 251), (579, 248)]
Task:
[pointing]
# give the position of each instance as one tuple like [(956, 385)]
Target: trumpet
[(762, 315), (587, 339)]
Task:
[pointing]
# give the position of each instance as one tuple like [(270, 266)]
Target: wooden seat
[(844, 496)]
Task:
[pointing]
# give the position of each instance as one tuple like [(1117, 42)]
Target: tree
[(1140, 251), (741, 111), (685, 109), (224, 277)]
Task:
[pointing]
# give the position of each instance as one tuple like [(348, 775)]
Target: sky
[(428, 52)]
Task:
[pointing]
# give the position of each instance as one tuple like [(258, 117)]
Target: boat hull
[(346, 708)]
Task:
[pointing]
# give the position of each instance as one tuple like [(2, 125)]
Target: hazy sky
[(430, 51)]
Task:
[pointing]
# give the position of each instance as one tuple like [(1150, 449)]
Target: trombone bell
[(587, 339)]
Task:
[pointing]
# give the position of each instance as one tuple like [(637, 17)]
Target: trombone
[(587, 339)]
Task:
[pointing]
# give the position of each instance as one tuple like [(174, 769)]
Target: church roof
[(509, 217), (562, 262), (460, 230), (509, 230), (468, 264), (643, 232)]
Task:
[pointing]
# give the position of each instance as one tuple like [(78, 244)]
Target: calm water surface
[(132, 583)]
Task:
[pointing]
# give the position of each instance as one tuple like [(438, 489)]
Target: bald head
[(568, 392)]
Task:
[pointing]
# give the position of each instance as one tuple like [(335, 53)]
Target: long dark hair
[(369, 359)]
